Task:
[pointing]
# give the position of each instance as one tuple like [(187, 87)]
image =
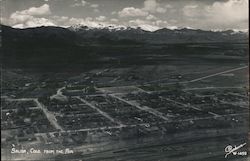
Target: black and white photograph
[(124, 80)]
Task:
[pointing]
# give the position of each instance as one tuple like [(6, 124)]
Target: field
[(154, 105)]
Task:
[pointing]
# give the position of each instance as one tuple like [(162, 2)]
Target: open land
[(157, 105)]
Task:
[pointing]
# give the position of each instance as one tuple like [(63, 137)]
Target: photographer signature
[(230, 150)]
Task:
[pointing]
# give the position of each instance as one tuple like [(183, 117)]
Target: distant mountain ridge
[(61, 47), (121, 27), (84, 35), (162, 36)]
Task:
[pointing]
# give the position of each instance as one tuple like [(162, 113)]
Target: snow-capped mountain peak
[(98, 26)]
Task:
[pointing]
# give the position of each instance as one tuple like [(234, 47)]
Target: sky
[(147, 14)]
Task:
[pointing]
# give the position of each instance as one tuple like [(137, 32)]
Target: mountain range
[(82, 35), (81, 44)]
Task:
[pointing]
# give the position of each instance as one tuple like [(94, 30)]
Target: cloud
[(34, 22), (21, 26), (61, 18), (168, 6), (94, 5), (220, 14), (35, 11), (132, 12), (137, 22), (151, 17), (101, 18), (81, 21), (161, 23), (191, 10), (82, 3), (231, 11), (16, 18), (153, 6), (96, 10), (114, 20), (88, 19), (215, 14), (150, 6), (31, 17), (161, 10)]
